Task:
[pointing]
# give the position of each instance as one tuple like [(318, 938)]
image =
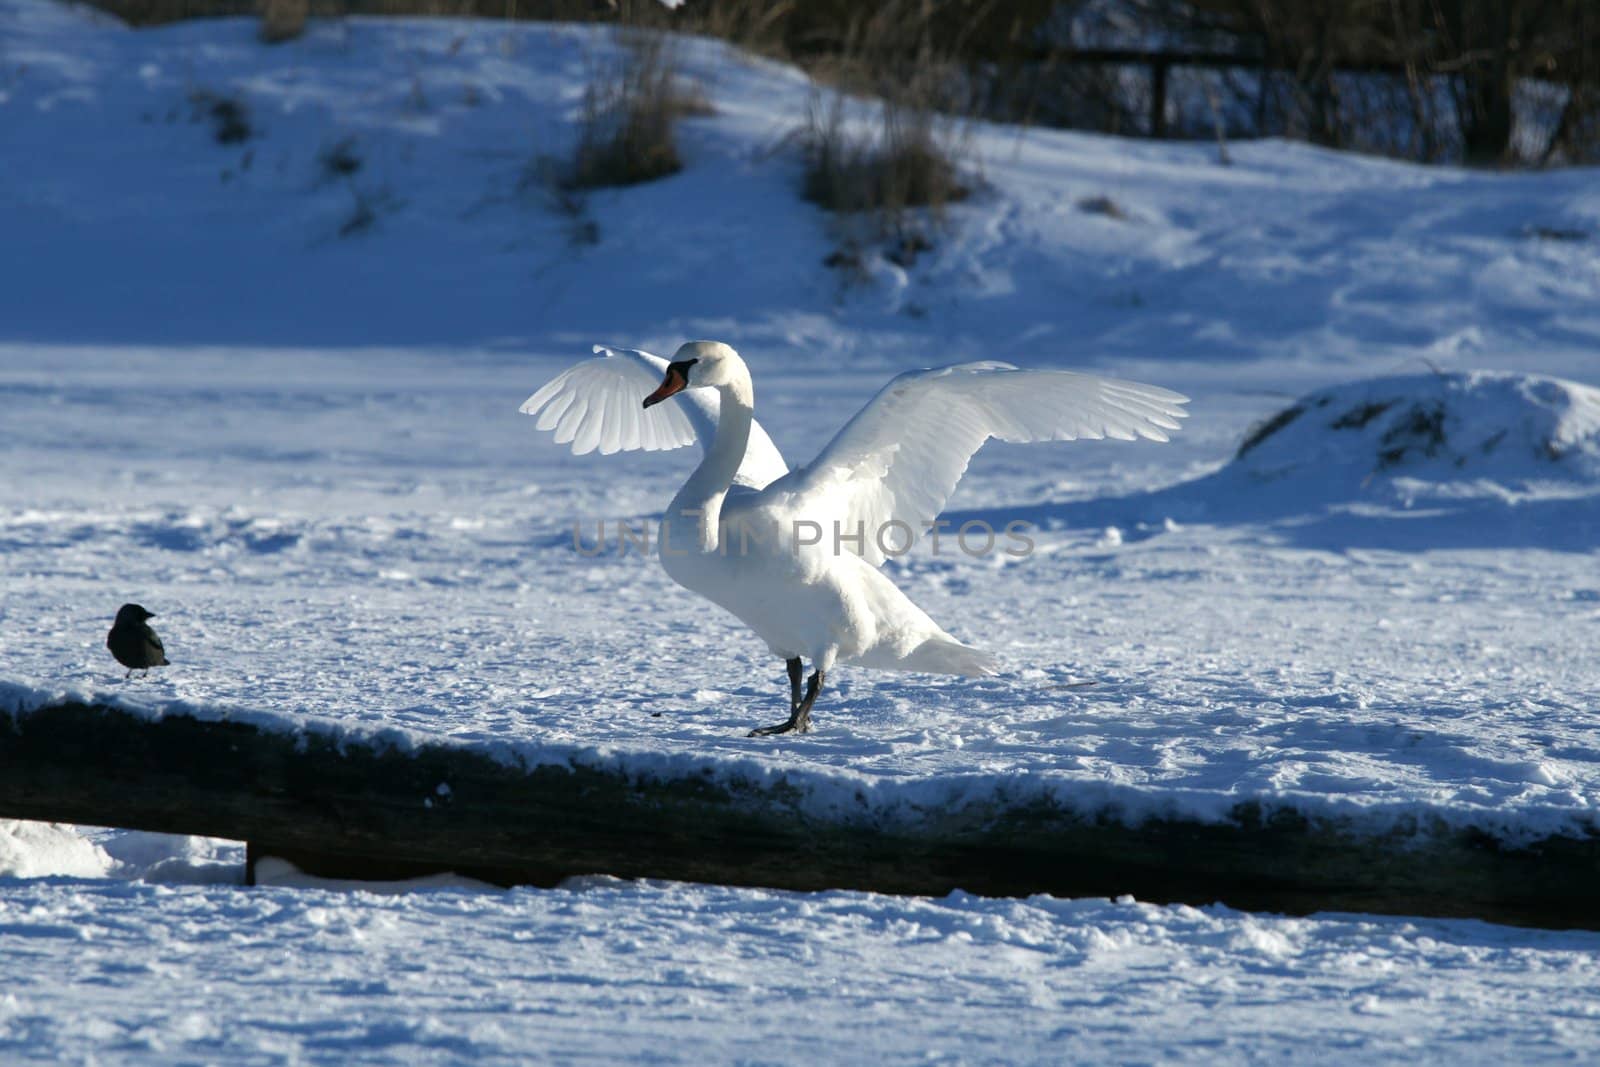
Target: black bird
[(131, 640)]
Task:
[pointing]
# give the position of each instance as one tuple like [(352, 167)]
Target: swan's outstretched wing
[(595, 405), (598, 405), (901, 456)]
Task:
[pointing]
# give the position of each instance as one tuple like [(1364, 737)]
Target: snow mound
[(41, 849), (1474, 459), (172, 858), (1460, 434)]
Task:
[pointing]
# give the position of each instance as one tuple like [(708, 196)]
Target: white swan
[(795, 554)]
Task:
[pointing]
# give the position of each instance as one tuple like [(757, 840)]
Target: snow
[(35, 849), (602, 971), (1438, 460), (303, 451)]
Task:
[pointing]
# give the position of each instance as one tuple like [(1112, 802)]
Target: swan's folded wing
[(597, 405), (901, 456)]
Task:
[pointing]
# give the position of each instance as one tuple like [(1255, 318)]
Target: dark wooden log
[(363, 809)]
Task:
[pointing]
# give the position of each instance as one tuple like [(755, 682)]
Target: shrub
[(884, 177), (906, 161), (630, 107)]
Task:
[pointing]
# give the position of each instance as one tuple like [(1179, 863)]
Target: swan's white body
[(759, 540)]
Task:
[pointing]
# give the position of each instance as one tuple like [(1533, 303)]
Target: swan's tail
[(946, 655)]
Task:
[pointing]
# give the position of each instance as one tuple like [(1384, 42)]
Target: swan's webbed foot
[(800, 713), (796, 725)]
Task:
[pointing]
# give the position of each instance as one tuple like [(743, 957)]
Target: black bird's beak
[(675, 382)]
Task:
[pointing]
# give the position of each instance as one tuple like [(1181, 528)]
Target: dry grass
[(630, 108), (907, 160), (887, 173), (891, 175), (754, 25)]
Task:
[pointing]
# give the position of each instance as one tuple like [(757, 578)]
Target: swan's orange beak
[(675, 382)]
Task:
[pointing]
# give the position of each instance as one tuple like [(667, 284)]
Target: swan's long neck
[(708, 485)]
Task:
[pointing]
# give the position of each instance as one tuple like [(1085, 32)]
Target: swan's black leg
[(796, 669), (803, 713), (800, 720)]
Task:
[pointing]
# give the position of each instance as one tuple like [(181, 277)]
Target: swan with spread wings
[(795, 554)]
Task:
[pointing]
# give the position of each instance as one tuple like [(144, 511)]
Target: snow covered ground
[(303, 451), (605, 972)]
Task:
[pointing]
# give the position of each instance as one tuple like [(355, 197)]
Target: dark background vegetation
[(1486, 82)]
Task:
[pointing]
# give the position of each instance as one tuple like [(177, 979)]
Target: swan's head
[(699, 364)]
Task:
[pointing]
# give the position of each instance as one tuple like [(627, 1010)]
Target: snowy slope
[(303, 451), (1291, 253)]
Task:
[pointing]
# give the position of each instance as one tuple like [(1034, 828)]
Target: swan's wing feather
[(596, 405), (901, 456)]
